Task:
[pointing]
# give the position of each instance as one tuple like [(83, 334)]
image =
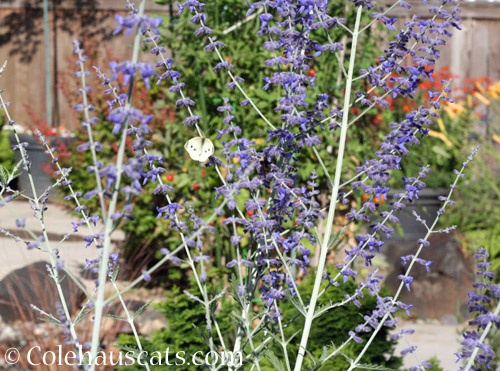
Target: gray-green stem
[(130, 321), (333, 200), (103, 269), (91, 137)]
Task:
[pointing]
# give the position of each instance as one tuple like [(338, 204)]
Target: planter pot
[(442, 293), (409, 230), (37, 157), (426, 206)]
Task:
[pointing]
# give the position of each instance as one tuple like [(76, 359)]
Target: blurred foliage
[(477, 210), (6, 153), (446, 145), (186, 323), (436, 364)]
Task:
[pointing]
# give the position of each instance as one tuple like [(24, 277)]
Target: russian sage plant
[(283, 216)]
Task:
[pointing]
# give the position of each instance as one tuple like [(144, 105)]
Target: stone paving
[(434, 339), (58, 223)]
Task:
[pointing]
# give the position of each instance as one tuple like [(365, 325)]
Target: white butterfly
[(199, 148)]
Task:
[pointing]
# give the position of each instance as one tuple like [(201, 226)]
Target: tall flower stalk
[(333, 197), (108, 222)]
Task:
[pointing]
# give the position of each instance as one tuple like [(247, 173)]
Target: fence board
[(113, 5), (474, 10), (471, 53)]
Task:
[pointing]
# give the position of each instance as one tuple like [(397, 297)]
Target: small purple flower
[(146, 276), (133, 20), (20, 223), (407, 281)]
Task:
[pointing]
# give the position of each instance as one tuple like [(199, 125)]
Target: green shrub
[(436, 364), (6, 153), (186, 326), (332, 329), (186, 323)]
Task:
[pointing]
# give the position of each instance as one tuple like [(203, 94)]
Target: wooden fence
[(473, 52)]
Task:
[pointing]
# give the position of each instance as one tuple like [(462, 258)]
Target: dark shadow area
[(23, 28)]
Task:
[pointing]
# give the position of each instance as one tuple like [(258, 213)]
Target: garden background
[(470, 54)]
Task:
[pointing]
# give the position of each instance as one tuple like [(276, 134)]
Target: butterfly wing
[(193, 147), (199, 148), (207, 150)]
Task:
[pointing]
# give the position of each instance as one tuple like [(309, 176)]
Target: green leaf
[(50, 320), (296, 303), (237, 317), (15, 172), (277, 364), (129, 349), (4, 175), (440, 151), (141, 309), (81, 316), (115, 273), (233, 289), (61, 278), (374, 367), (115, 317), (202, 334)]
